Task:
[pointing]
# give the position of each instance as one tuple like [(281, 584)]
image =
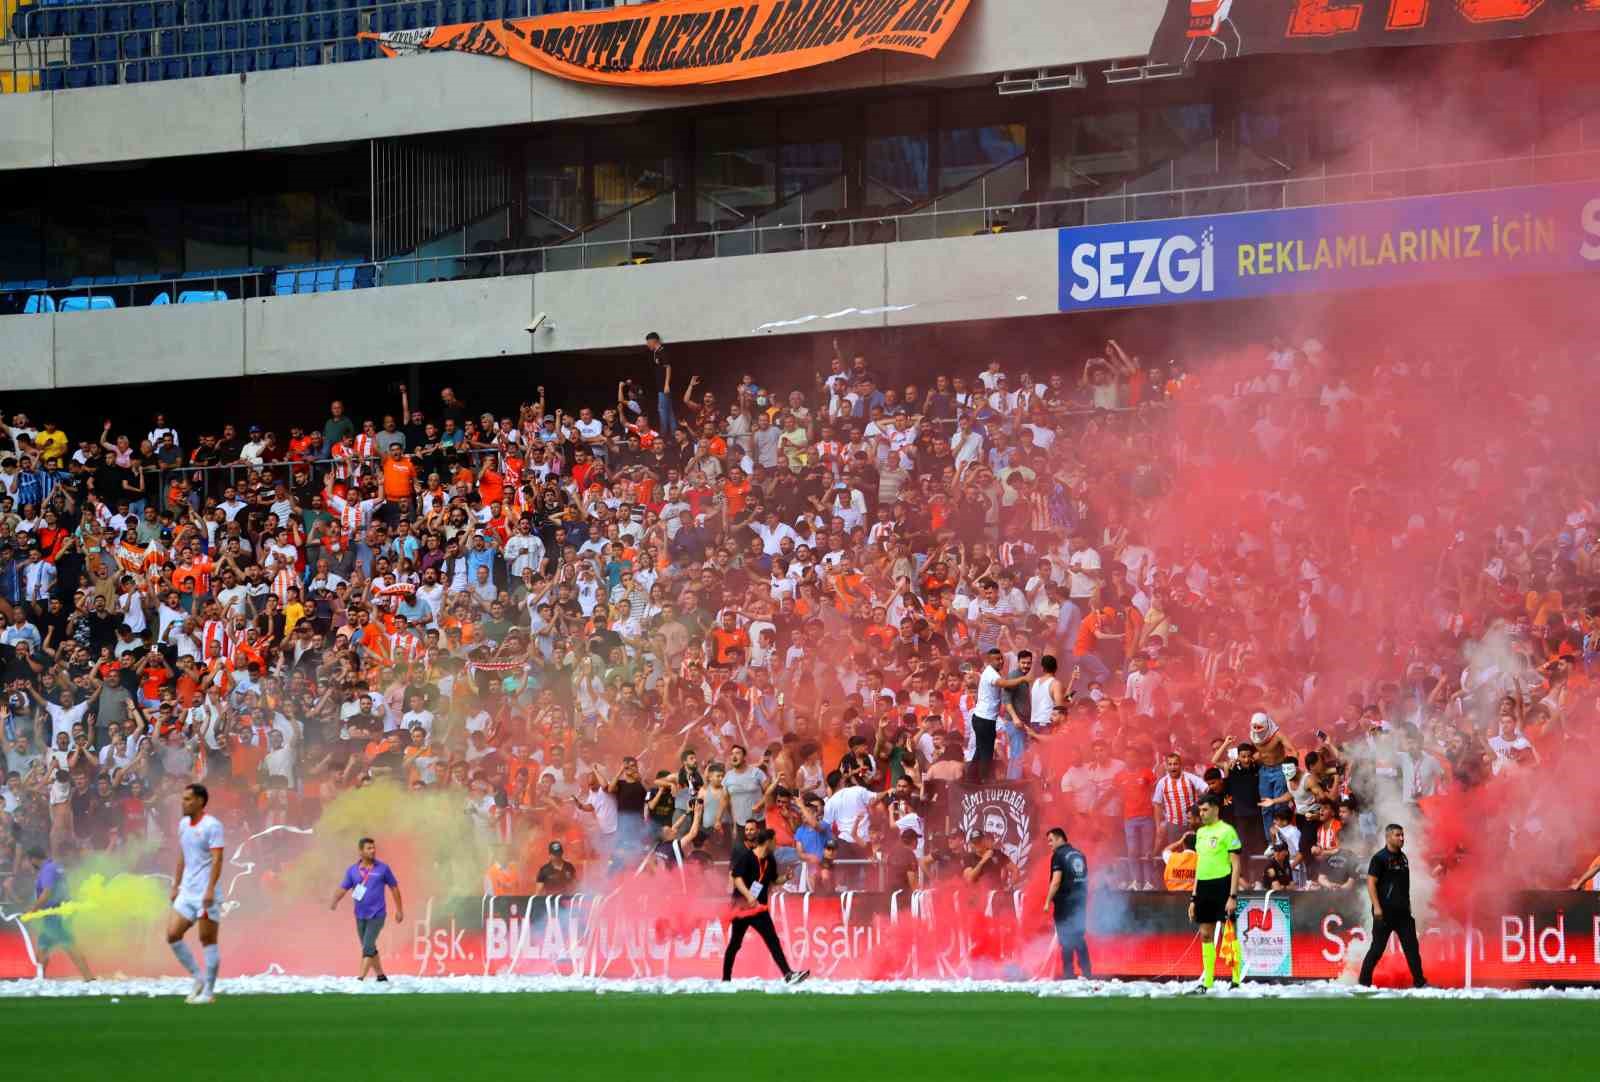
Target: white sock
[(213, 960), (180, 950)]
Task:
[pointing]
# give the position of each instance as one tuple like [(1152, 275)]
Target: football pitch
[(757, 1035)]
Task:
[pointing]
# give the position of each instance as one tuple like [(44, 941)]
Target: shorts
[(53, 934), (187, 906), (1211, 900), (368, 928)]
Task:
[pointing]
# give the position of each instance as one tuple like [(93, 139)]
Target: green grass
[(757, 1036)]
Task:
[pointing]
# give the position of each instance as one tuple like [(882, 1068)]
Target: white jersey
[(196, 842)]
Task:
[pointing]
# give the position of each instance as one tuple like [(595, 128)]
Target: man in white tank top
[(1048, 692)]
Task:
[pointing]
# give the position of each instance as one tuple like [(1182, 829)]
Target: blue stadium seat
[(276, 31), (80, 75), (291, 7), (283, 283), (21, 24), (168, 40), (239, 63), (471, 11), (83, 20), (133, 71), (253, 34), (215, 63), (201, 296), (109, 74), (80, 50), (282, 58), (449, 12), (326, 279), (310, 55), (388, 19), (39, 302), (349, 24), (161, 298), (116, 19), (85, 304), (174, 68), (166, 13), (136, 46), (51, 24), (189, 41), (428, 13), (105, 47), (321, 27), (142, 16), (345, 278), (231, 36), (211, 38), (250, 9), (196, 12), (366, 276)]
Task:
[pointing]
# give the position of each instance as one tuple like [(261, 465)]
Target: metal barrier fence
[(848, 229)]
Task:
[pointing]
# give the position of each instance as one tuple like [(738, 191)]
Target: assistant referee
[(1216, 886)]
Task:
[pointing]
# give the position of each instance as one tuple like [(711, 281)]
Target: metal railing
[(936, 220)]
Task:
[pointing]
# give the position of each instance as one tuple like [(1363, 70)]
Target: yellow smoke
[(114, 904)]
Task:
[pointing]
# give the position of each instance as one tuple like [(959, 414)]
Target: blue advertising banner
[(1535, 230)]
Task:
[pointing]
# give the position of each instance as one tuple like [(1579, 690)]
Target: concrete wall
[(934, 281), (446, 92)]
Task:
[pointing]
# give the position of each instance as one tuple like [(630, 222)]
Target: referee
[(1389, 890), (1216, 886), (364, 881), (753, 872)]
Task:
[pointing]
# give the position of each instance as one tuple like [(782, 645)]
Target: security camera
[(538, 321)]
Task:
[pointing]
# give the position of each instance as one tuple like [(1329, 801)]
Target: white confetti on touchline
[(276, 985)]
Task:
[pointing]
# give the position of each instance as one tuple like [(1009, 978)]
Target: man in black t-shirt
[(557, 875), (662, 381), (752, 873), (1389, 890), (1067, 901), (985, 865)]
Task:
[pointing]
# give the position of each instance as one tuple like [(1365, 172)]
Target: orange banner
[(688, 42)]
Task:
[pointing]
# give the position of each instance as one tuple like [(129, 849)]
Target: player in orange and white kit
[(194, 891), (1206, 20)]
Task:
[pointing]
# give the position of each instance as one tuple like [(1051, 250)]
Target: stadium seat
[(174, 68), (210, 38), (291, 7), (55, 77), (345, 278), (310, 56), (166, 13), (80, 76), (428, 13), (325, 279), (349, 24), (136, 46), (142, 16), (253, 35), (21, 24), (281, 59), (239, 63), (449, 12), (201, 296), (161, 298), (196, 12), (115, 19), (133, 71), (108, 74), (189, 41), (215, 63), (85, 304), (105, 47), (39, 302), (85, 20)]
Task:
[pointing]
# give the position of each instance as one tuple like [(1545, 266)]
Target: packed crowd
[(625, 635)]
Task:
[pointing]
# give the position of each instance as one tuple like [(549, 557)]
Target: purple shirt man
[(366, 883)]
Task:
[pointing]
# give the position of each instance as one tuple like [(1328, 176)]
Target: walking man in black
[(1067, 901), (1389, 889), (753, 873)]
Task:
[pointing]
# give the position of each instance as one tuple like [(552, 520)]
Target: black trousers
[(982, 766), (1404, 927), (762, 923), (1069, 933)]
